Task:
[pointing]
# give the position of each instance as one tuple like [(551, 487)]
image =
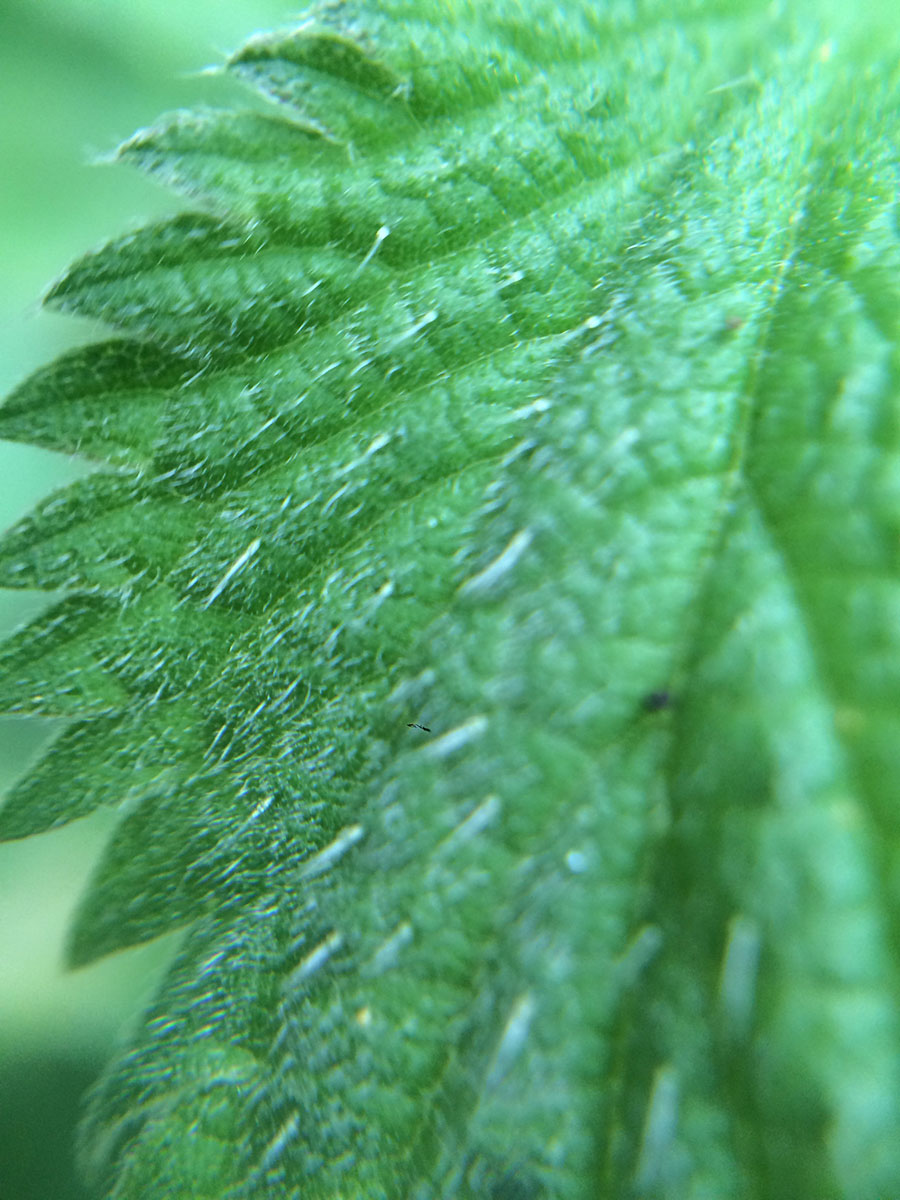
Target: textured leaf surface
[(528, 374)]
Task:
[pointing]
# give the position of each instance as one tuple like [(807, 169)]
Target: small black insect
[(413, 725), (656, 701)]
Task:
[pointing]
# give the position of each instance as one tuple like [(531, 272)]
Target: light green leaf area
[(528, 373)]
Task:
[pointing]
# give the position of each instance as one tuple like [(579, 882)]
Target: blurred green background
[(76, 78)]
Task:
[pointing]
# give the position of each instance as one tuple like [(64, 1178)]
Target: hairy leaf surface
[(485, 612)]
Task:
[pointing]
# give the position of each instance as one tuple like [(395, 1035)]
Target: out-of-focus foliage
[(529, 373)]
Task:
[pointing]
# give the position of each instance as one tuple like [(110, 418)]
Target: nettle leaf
[(486, 612)]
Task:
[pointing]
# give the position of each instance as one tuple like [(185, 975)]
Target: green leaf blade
[(576, 465)]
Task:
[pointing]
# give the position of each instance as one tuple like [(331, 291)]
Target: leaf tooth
[(102, 401), (330, 79), (234, 159), (101, 532), (105, 762), (236, 849), (118, 909), (199, 283), (51, 668), (112, 283), (381, 71), (63, 784)]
